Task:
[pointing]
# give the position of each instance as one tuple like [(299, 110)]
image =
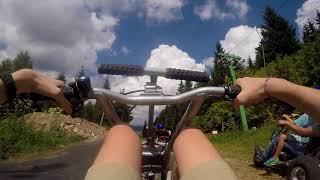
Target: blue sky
[(63, 35), (190, 34)]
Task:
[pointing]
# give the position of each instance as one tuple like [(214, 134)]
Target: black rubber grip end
[(121, 69), (233, 91), (180, 74)]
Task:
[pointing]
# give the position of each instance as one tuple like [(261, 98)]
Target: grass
[(17, 137), (237, 149), (239, 144)]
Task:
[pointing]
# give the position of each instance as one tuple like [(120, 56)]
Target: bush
[(220, 116), (18, 137)]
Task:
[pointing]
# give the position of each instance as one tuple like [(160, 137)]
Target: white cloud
[(59, 35), (211, 9), (163, 10), (124, 50), (208, 62), (164, 56), (63, 35), (242, 40), (307, 12)]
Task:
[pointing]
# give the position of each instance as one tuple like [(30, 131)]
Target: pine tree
[(62, 77), (22, 60), (106, 84), (318, 20), (6, 66), (82, 72), (181, 88), (278, 38), (219, 69), (250, 63), (188, 86), (309, 32)]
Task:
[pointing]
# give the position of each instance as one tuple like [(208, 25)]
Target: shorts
[(217, 169)]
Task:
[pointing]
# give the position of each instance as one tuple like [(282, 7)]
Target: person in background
[(296, 141)]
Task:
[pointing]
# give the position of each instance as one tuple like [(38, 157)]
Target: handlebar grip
[(121, 69), (233, 91), (180, 74)]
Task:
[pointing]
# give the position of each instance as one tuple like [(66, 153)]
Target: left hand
[(27, 80)]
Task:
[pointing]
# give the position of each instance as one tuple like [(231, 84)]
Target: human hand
[(27, 81), (283, 122), (252, 91), (286, 117)]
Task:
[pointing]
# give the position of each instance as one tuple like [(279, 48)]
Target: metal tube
[(150, 140), (161, 100), (108, 109), (186, 120)]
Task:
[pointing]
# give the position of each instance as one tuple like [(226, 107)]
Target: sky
[(61, 36)]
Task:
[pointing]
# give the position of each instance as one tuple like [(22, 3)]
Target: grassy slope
[(16, 138), (237, 148)]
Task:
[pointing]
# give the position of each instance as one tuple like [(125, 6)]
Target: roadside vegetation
[(237, 148), (18, 137)]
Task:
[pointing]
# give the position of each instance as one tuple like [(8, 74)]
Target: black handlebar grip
[(121, 69), (233, 91), (180, 74)]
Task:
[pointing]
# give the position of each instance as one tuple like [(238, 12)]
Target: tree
[(219, 69), (61, 77), (106, 84), (6, 66), (318, 20), (278, 38), (22, 60), (250, 63), (82, 72), (181, 88), (188, 86), (309, 32)]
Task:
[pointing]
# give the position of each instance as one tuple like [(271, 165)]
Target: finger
[(59, 84), (65, 104)]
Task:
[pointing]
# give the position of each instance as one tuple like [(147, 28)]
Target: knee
[(283, 137), (187, 135), (122, 131)]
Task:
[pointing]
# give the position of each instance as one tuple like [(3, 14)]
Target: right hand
[(252, 91)]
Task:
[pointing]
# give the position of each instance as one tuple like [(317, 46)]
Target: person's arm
[(255, 90), (305, 132), (27, 80)]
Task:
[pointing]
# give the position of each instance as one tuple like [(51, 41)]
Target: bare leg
[(191, 149), (122, 146), (280, 145)]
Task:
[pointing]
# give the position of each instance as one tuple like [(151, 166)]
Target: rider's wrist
[(266, 87), (24, 80)]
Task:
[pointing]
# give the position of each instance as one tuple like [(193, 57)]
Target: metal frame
[(156, 157)]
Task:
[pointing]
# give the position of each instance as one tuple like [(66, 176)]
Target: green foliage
[(92, 112), (309, 32), (220, 116), (278, 38), (17, 107), (239, 144), (250, 63), (219, 71), (6, 66), (22, 61), (18, 137), (106, 84), (171, 115)]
